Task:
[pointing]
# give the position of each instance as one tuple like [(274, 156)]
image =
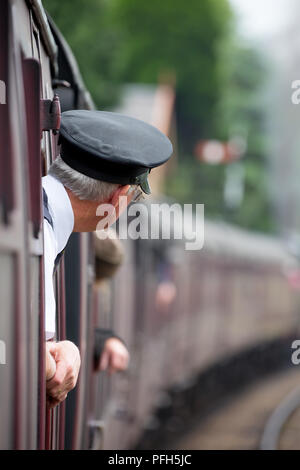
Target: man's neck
[(85, 218)]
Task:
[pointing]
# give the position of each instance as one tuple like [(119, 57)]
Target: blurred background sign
[(215, 152)]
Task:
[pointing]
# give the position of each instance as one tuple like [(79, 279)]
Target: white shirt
[(55, 240)]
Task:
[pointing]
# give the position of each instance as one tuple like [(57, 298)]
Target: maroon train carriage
[(233, 296)]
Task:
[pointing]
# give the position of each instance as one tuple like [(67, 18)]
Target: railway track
[(264, 416), (282, 430)]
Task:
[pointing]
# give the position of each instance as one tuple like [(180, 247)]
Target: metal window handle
[(98, 427), (50, 114), (60, 83)]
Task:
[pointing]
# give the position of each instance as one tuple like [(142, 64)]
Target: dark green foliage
[(179, 39), (140, 41), (87, 29)]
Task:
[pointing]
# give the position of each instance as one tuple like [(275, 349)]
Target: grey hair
[(81, 185)]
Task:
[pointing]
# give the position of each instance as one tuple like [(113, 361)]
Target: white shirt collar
[(60, 209)]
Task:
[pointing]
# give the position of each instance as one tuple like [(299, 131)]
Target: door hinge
[(50, 114)]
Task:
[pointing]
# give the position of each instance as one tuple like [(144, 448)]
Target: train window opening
[(6, 169), (31, 80)]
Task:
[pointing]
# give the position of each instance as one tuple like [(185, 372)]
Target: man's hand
[(67, 359), (165, 295), (114, 357), (50, 362)]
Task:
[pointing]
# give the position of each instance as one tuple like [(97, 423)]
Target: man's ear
[(121, 191)]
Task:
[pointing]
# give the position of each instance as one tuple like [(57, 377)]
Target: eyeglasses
[(137, 194)]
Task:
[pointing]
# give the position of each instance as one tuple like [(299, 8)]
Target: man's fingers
[(104, 360), (50, 365), (116, 363), (122, 360), (67, 359), (56, 382), (51, 347), (53, 402)]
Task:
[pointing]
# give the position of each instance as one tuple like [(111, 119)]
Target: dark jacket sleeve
[(101, 335)]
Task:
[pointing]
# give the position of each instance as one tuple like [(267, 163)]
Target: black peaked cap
[(112, 147)]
